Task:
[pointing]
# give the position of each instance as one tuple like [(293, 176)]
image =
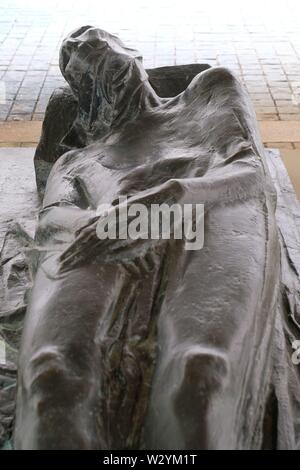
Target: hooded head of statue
[(104, 74)]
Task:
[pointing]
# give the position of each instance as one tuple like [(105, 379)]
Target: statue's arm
[(87, 244)]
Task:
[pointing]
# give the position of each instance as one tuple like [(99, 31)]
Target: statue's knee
[(204, 374), (51, 380), (45, 369)]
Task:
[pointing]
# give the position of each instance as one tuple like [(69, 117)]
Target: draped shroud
[(144, 344)]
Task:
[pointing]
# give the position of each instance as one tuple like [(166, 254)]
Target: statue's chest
[(146, 148)]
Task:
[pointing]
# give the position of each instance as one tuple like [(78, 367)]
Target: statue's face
[(88, 51)]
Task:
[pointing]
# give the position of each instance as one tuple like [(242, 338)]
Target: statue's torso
[(154, 147)]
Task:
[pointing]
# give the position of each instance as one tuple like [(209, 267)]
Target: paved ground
[(259, 41)]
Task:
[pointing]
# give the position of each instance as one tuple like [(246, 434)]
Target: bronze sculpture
[(141, 344)]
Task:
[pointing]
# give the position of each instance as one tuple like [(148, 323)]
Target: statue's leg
[(216, 326), (215, 334), (58, 374)]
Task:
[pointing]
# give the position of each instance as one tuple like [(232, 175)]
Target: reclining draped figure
[(142, 344)]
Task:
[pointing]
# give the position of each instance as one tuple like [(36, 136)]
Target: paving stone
[(279, 145), (22, 107), (256, 88), (263, 105), (289, 117), (265, 109), (40, 107), (13, 116), (264, 53), (267, 116), (4, 111), (28, 144), (294, 78), (31, 94), (38, 117), (10, 144), (288, 110), (282, 95)]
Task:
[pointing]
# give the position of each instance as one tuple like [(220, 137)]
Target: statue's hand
[(81, 248), (135, 255), (87, 245)]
